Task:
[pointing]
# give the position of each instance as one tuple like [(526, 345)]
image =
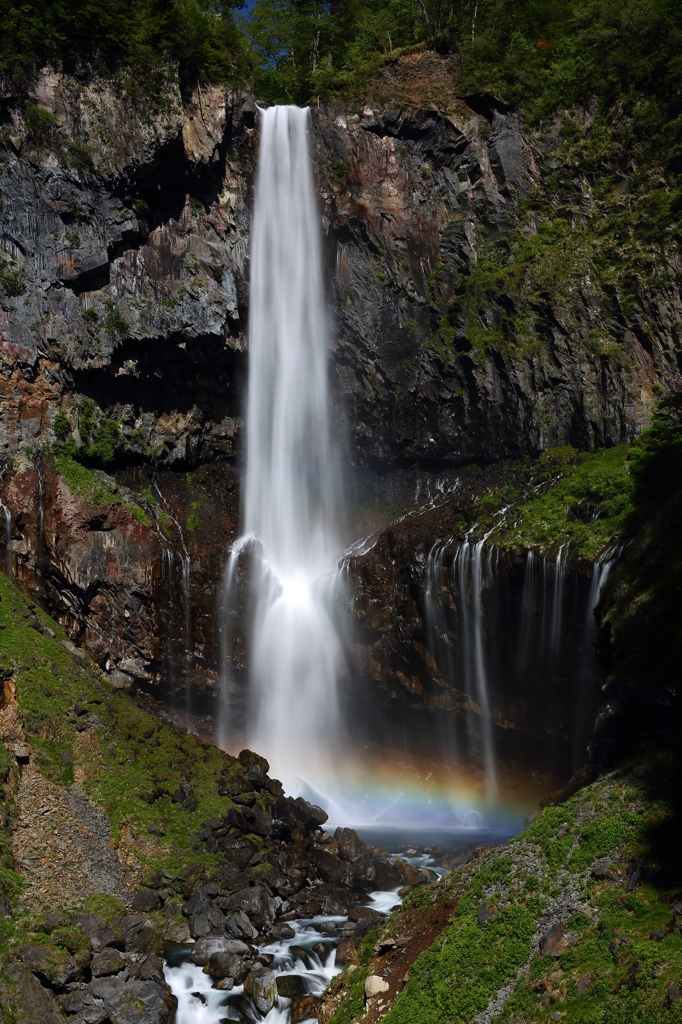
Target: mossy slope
[(124, 758), (565, 497), (619, 949)]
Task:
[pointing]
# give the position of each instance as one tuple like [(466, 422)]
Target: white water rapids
[(200, 1003), (290, 506)]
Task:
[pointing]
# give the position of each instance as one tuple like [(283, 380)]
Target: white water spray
[(290, 493)]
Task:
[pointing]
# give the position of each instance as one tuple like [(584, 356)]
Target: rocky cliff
[(476, 312)]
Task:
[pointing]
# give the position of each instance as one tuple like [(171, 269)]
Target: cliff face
[(124, 295), (427, 361)]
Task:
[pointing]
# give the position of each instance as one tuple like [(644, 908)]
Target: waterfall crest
[(290, 481)]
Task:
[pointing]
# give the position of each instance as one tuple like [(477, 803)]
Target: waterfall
[(187, 631), (168, 609), (600, 571), (8, 530), (470, 559), (528, 610), (558, 597), (500, 630), (290, 494)]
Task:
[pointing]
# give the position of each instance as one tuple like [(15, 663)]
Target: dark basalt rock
[(107, 961), (99, 933)]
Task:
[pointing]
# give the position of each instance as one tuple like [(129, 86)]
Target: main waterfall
[(290, 505)]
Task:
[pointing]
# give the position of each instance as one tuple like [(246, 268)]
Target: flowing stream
[(291, 500), (200, 1003)]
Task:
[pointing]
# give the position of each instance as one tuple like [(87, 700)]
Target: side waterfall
[(290, 500), (494, 631), (8, 530)]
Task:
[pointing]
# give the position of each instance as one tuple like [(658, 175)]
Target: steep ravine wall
[(125, 282)]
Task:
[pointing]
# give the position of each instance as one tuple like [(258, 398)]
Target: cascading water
[(8, 533), (515, 634), (470, 564), (290, 500)]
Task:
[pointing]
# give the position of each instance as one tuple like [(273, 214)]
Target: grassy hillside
[(577, 919), (142, 773)]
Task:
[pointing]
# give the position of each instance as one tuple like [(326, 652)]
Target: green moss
[(133, 766), (455, 978), (582, 499), (469, 963), (83, 481), (105, 906), (597, 840)]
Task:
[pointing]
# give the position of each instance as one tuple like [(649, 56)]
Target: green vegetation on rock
[(578, 498), (143, 773), (141, 40), (555, 924), (639, 610)]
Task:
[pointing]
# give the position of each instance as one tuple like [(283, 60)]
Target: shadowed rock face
[(133, 259)]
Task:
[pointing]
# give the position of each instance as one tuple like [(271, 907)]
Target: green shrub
[(12, 279), (114, 321), (139, 41), (42, 125)]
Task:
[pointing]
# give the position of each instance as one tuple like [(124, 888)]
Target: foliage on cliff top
[(538, 55), (623, 948), (200, 36), (130, 763)]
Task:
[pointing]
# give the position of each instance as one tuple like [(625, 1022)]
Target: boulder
[(107, 961), (84, 1006), (132, 925), (602, 871), (290, 985), (305, 1008), (261, 985), (140, 1002), (322, 949), (240, 927), (248, 759), (199, 903), (383, 874), (31, 1001), (485, 913), (282, 931), (345, 951), (554, 942), (256, 903), (55, 965), (374, 986), (100, 933), (177, 933), (408, 874), (226, 965), (351, 846), (205, 948), (146, 900), (50, 922), (199, 926), (329, 867)]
